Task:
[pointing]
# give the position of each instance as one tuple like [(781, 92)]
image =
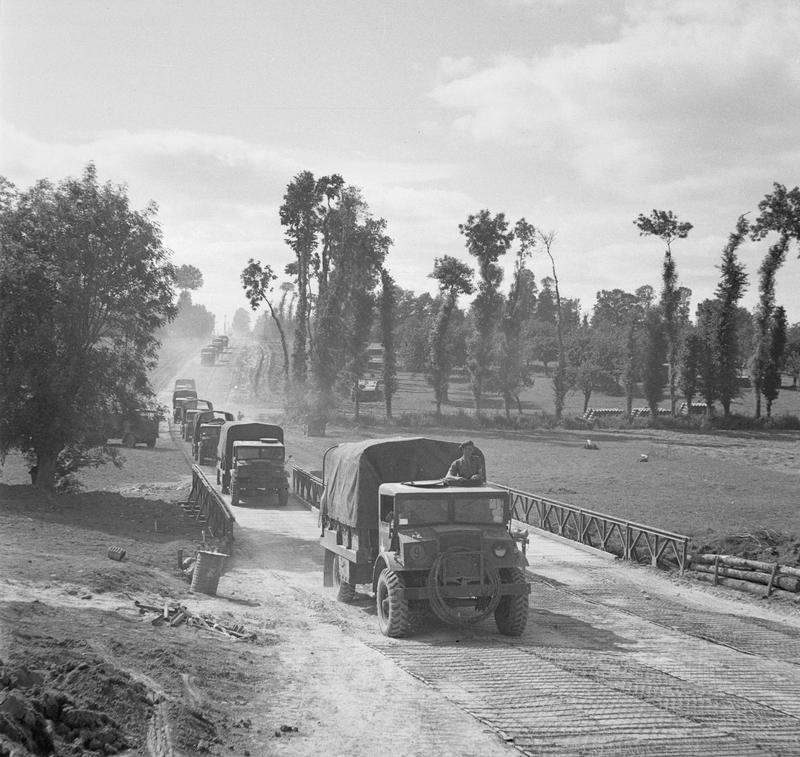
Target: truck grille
[(470, 541)]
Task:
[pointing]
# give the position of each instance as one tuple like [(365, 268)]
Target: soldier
[(466, 470)]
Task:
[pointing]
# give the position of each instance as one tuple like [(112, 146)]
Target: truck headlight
[(500, 549), (416, 552)]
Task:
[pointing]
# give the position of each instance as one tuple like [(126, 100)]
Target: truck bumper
[(463, 592)]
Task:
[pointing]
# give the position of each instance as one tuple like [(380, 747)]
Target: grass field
[(416, 396), (735, 490)]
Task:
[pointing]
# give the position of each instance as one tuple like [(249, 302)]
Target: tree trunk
[(45, 470), (284, 346), (388, 398)]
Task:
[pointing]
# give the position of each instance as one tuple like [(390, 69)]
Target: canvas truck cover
[(353, 472), (236, 431)]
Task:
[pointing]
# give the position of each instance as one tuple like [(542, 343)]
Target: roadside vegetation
[(88, 291)]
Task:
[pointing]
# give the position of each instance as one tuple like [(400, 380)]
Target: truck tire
[(151, 443), (346, 592), (393, 614), (283, 497), (129, 440), (511, 614), (234, 489)]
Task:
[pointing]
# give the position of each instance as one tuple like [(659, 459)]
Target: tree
[(241, 323), (414, 318), (777, 344), (512, 368), (791, 358), (455, 278), (85, 282), (780, 213), (388, 306), (665, 225), (653, 356), (188, 277), (691, 355), (299, 214), (487, 239), (615, 308), (560, 384), (193, 321), (354, 247), (257, 281), (708, 363), (732, 285)]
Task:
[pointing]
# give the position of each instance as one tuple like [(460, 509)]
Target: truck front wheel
[(129, 440), (393, 614), (511, 614)]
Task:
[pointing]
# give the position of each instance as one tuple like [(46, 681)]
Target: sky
[(577, 115)]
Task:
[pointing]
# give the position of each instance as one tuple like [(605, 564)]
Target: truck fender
[(385, 560)]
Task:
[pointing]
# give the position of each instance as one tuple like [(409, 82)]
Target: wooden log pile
[(176, 615), (754, 576)]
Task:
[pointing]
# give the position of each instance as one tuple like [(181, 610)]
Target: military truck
[(250, 461), (389, 520), (206, 434), (208, 355), (184, 383), (190, 403), (188, 426), (135, 427), (179, 396)]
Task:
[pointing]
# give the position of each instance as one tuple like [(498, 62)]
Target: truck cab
[(257, 467)]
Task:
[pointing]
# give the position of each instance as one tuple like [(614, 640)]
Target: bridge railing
[(307, 485), (208, 505), (624, 538)]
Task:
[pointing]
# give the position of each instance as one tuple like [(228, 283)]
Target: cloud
[(684, 88)]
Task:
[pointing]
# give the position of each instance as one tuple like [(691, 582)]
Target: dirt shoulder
[(88, 667)]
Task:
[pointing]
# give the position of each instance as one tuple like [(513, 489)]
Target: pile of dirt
[(766, 545), (74, 706)]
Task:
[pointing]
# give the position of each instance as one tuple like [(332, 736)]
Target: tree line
[(87, 289), (339, 295)]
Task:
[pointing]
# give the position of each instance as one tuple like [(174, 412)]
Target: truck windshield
[(259, 453), (479, 510), (421, 511)]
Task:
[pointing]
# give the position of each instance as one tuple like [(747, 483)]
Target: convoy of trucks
[(390, 521)]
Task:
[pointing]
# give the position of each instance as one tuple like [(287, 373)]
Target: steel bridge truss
[(307, 486), (624, 538), (207, 505)]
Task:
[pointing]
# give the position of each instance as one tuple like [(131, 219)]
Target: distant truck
[(368, 390), (208, 356), (184, 383), (134, 427), (178, 396), (205, 435), (389, 520), (189, 403), (250, 461)]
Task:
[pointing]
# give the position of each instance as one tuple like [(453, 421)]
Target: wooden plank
[(788, 583)]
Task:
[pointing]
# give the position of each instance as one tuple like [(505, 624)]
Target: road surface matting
[(610, 668)]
